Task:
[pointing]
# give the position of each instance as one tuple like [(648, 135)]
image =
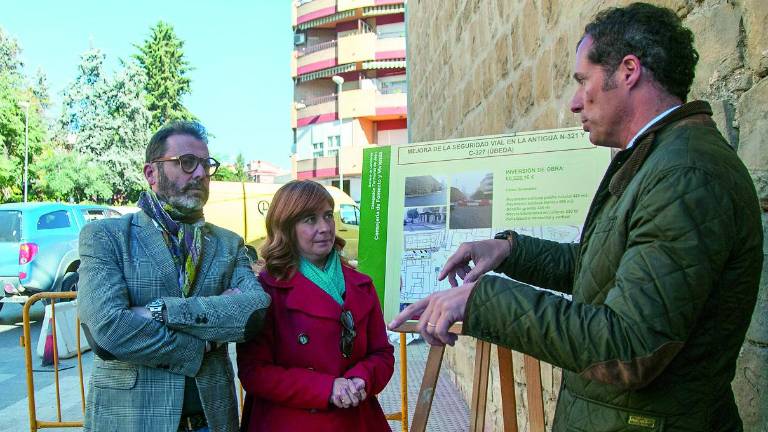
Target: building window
[(333, 152), (317, 150), (334, 141)]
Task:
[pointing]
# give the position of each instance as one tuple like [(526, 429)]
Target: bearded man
[(161, 293)]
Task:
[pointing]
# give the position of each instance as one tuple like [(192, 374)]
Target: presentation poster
[(419, 202)]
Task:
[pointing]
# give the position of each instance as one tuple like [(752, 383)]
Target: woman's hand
[(358, 385), (344, 394)]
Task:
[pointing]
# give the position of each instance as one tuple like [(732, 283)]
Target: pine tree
[(106, 119), (162, 58)]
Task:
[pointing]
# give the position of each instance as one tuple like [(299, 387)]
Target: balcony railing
[(317, 47), (317, 100)]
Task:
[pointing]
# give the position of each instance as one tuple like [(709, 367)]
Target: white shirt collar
[(649, 124)]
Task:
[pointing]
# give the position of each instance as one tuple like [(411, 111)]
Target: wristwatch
[(508, 235), (156, 308)]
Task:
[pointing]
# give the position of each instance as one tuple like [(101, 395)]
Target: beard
[(179, 197)]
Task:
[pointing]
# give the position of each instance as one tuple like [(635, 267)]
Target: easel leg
[(507, 383), (427, 390), (480, 386), (533, 388), (403, 383)]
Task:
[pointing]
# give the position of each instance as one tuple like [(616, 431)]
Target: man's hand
[(486, 255), (438, 313)]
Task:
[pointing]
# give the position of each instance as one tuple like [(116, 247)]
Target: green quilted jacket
[(663, 285)]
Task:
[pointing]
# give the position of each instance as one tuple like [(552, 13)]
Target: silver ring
[(429, 324)]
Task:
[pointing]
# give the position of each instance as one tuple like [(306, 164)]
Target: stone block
[(758, 328), (502, 56), (724, 113), (530, 29), (755, 25), (543, 77), (524, 91), (717, 39), (753, 126), (750, 387), (562, 66), (550, 11)]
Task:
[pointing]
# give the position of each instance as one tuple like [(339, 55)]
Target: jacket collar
[(304, 295), (693, 112)]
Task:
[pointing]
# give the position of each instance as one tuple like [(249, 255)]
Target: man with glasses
[(161, 293)]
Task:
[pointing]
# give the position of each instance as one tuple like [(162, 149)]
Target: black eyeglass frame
[(207, 163), (348, 334)]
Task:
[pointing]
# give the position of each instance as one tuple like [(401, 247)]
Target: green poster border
[(374, 204)]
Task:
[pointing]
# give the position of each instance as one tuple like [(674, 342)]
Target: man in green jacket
[(665, 277)]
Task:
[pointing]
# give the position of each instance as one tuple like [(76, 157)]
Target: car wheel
[(69, 282)]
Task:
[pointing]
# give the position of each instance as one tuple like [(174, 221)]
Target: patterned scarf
[(182, 233), (330, 279)]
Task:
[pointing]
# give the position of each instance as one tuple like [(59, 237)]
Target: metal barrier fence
[(534, 390), (26, 342)]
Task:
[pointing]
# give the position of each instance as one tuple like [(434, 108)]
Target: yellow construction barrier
[(26, 342)]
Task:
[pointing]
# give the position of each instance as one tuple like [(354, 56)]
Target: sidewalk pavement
[(450, 412)]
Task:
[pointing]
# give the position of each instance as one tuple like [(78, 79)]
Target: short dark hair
[(655, 35), (158, 143)]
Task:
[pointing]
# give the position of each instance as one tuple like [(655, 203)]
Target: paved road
[(470, 217), (14, 405)]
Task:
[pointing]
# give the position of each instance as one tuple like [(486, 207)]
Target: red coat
[(288, 382)]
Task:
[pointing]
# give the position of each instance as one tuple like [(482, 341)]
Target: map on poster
[(421, 201)]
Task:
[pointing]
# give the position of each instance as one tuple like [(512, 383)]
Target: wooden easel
[(480, 386)]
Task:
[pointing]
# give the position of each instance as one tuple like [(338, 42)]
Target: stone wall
[(482, 67)]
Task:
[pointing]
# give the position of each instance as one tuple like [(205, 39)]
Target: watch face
[(155, 305)]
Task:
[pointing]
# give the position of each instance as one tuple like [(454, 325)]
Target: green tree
[(10, 59), (64, 175), (240, 168), (162, 58), (13, 94), (225, 173), (106, 119)]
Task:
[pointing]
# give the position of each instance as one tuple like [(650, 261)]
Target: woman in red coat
[(324, 354)]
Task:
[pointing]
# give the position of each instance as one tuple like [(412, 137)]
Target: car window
[(91, 215), (349, 214), (54, 220), (10, 226)]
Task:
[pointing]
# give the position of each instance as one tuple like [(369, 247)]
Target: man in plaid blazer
[(161, 292)]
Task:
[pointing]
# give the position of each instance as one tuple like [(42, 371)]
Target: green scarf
[(330, 279), (183, 236)]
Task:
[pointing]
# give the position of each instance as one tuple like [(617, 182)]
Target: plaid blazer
[(139, 371)]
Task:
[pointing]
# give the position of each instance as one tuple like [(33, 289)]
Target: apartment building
[(350, 89)]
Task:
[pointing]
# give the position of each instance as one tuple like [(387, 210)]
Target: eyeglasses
[(189, 163), (347, 333)]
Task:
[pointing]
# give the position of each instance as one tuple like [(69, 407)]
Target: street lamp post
[(339, 81), (25, 105)]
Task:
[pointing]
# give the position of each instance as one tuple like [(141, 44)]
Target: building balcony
[(313, 9), (366, 46), (373, 104), (315, 110), (316, 57), (320, 13), (353, 52), (349, 159)]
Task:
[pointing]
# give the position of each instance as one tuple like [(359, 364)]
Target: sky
[(240, 51)]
